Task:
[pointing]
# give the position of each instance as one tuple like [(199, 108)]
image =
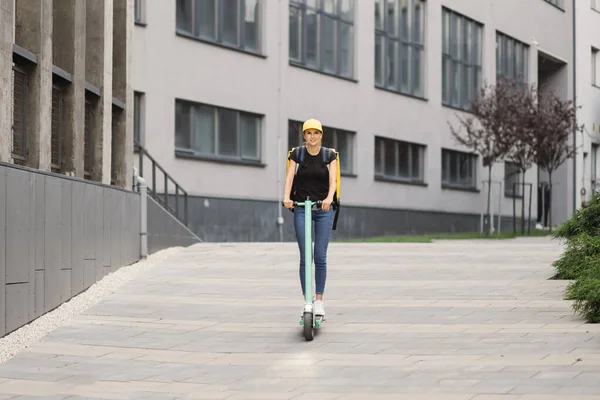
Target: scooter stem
[(308, 250)]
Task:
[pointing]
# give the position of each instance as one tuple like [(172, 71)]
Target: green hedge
[(580, 261)]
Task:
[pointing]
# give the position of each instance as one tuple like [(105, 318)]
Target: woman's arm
[(332, 179), (289, 179)]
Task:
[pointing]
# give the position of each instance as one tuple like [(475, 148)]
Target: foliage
[(580, 261), (580, 251), (585, 292), (585, 220), (486, 131)]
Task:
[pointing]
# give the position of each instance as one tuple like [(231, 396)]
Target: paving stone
[(452, 320)]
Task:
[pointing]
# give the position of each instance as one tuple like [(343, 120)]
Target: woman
[(315, 180)]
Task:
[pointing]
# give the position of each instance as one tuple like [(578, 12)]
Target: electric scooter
[(309, 320)]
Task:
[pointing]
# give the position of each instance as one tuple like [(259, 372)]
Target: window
[(322, 35), (461, 59), (512, 180), (595, 65), (56, 136), (233, 23), (91, 102), (399, 44), (512, 59), (459, 169), (557, 3), (594, 166), (19, 131), (340, 140), (398, 160), (138, 117), (215, 132), (139, 8)]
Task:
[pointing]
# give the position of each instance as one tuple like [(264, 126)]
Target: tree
[(520, 134), (553, 122), (488, 129)]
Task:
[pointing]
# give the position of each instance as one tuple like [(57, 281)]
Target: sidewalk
[(461, 320)]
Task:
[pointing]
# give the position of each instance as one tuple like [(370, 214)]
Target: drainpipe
[(575, 105), (279, 139)]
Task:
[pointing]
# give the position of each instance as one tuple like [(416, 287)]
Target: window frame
[(508, 180), (219, 18), (595, 72), (139, 118), (452, 55), (503, 61), (445, 166), (139, 12), (348, 169), (191, 152), (339, 21), (19, 158), (57, 128), (557, 3), (398, 39), (382, 142)]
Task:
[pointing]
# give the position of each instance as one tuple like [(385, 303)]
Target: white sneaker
[(319, 308)]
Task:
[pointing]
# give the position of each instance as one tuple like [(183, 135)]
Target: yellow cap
[(312, 124)]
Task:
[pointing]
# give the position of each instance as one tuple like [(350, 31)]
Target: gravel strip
[(27, 335)]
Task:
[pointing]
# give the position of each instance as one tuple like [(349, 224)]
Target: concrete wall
[(67, 46), (267, 84), (58, 236), (240, 220), (166, 231)]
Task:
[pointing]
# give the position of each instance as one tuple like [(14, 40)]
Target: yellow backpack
[(300, 152)]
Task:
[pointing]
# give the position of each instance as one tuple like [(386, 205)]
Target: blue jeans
[(322, 223)]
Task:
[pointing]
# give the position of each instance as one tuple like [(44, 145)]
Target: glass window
[(234, 23), (399, 160), (321, 35), (512, 180), (512, 59), (461, 59), (400, 24), (557, 3), (459, 169), (206, 130), (340, 140)]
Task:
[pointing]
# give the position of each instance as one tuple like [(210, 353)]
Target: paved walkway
[(466, 320)]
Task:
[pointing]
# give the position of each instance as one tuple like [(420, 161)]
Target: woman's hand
[(326, 204), (288, 203)]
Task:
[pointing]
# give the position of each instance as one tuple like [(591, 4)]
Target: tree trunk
[(489, 198), (523, 202), (550, 200)]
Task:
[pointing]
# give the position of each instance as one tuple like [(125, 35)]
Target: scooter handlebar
[(318, 203)]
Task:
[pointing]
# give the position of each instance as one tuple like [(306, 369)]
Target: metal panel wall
[(164, 230), (58, 236)]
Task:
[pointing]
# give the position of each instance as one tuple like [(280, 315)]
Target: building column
[(69, 55), (33, 32), (122, 123), (98, 70), (7, 31)]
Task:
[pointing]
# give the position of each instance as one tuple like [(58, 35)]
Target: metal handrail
[(163, 200)]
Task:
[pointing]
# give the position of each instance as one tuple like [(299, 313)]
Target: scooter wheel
[(308, 326)]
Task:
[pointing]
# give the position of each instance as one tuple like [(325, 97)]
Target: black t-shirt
[(313, 180)]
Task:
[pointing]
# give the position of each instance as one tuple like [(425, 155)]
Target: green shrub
[(585, 292), (585, 220), (581, 251)]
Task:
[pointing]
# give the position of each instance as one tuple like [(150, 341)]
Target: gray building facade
[(221, 89)]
